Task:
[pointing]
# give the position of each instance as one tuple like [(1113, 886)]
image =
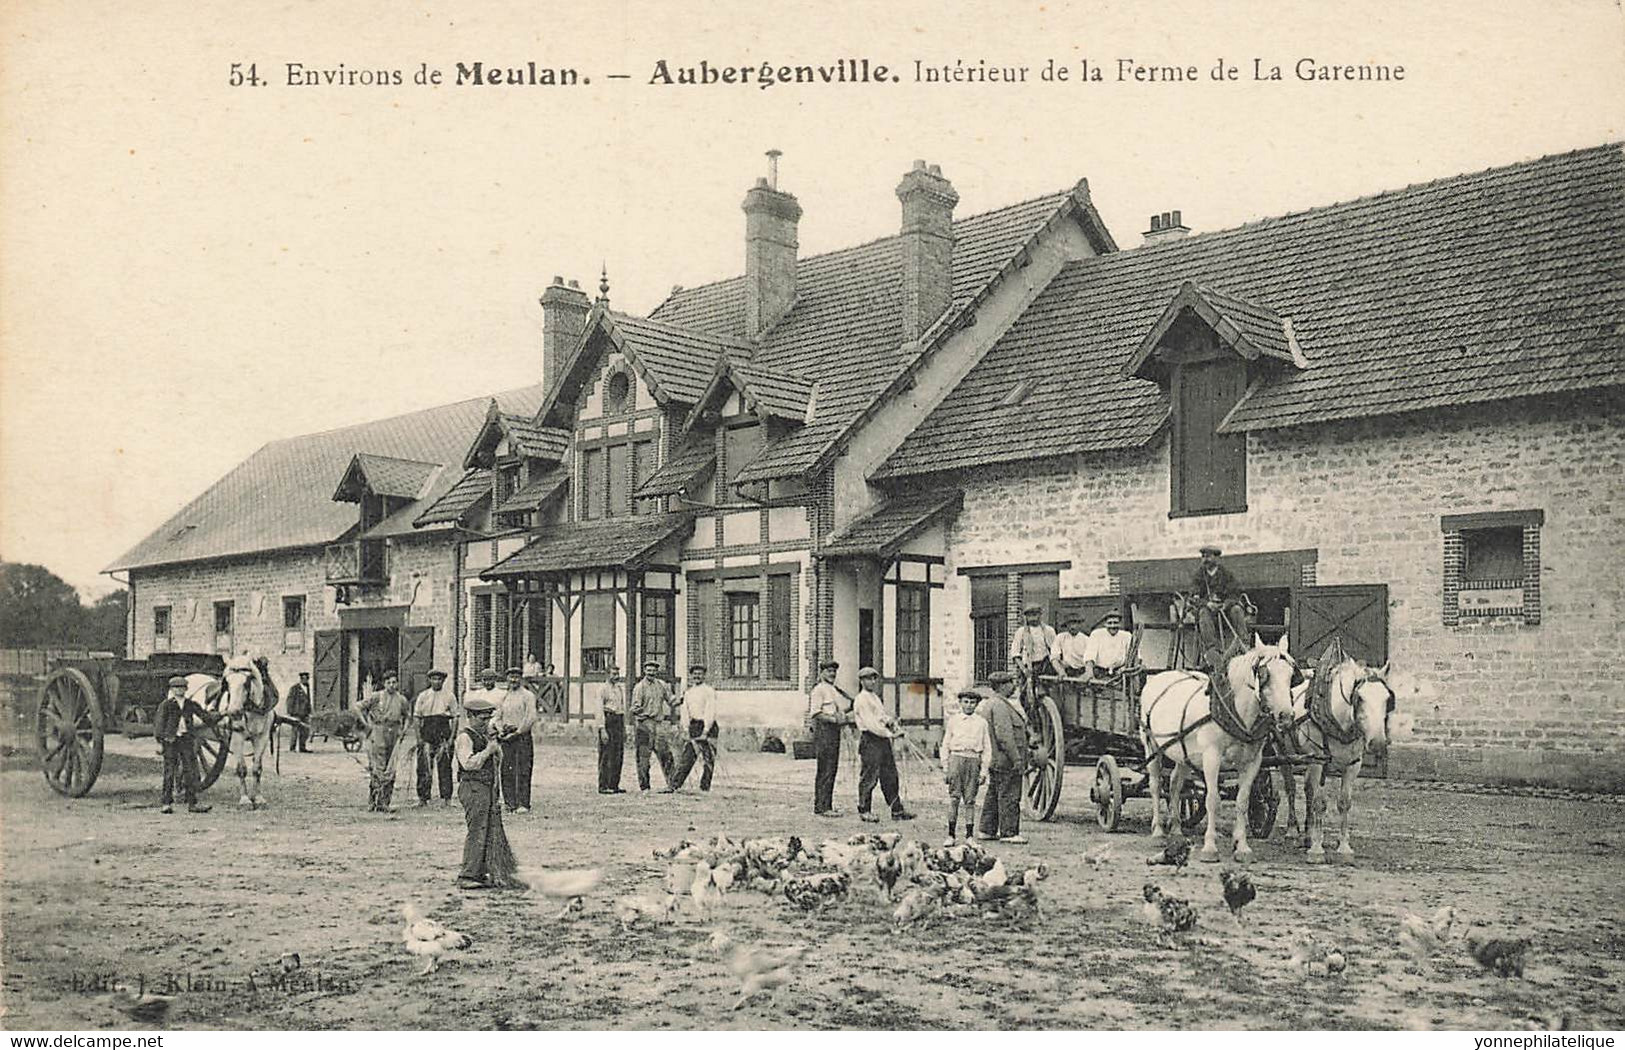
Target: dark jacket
[(1220, 585), (167, 722), (1007, 727), (298, 701)]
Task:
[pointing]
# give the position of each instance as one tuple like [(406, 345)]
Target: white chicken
[(917, 905), (572, 885), (631, 910), (430, 940), (758, 969), (704, 889), (1423, 937), (1098, 857)]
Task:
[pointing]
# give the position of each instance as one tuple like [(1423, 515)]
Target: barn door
[(1358, 614), (416, 658), (327, 671)]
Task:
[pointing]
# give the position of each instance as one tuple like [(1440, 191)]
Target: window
[(745, 634), (224, 614), (741, 445), (643, 468), (913, 631), (480, 635), (989, 618), (1209, 469), (620, 498), (1044, 590), (702, 641), (618, 394), (162, 640), (780, 645), (657, 629), (538, 621), (592, 484), (598, 633), (1492, 565), (866, 638), (293, 622)]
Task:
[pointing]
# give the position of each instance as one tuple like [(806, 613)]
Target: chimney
[(928, 247), (1165, 227), (564, 318), (770, 251)]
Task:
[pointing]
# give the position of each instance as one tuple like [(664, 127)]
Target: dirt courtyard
[(106, 887)]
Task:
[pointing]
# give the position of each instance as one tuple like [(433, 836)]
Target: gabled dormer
[(1206, 350), (380, 486), (526, 463), (743, 410)]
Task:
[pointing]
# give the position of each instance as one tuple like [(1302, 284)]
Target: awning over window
[(538, 491), (616, 543), (686, 467), (883, 532)]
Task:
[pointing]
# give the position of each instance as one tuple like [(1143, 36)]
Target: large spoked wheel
[(1043, 792), (1108, 793), (213, 748), (68, 731), (1262, 806)]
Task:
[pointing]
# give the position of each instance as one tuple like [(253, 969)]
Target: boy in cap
[(828, 709), (612, 734), (516, 714), (434, 711), (700, 718), (1107, 648), (174, 725), (876, 760), (966, 751), (651, 711)]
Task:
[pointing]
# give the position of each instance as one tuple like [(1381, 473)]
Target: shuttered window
[(703, 642), (1209, 469), (620, 501), (778, 627), (592, 484), (480, 635), (597, 632), (500, 657), (989, 619), (1044, 590), (643, 468)]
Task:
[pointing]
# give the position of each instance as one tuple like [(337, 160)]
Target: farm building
[(1400, 416)]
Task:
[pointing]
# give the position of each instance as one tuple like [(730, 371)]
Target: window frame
[(293, 637), (163, 641), (658, 624), (230, 633), (913, 630), (1458, 530), (751, 636)]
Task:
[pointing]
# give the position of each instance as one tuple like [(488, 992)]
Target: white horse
[(1178, 723), (1342, 714), (249, 701)]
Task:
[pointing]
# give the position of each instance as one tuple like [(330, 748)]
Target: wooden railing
[(359, 561)]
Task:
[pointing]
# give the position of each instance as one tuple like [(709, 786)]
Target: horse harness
[(1318, 712), (1221, 711)]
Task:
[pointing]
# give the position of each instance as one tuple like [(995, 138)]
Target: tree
[(37, 607), (102, 628)]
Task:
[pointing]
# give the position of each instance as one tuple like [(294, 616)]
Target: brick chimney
[(564, 318), (770, 251), (927, 247), (1165, 227)]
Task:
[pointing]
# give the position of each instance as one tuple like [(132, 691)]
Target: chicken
[(1013, 902), (911, 859), (564, 883), (917, 905), (758, 969), (1176, 853), (1316, 959), (890, 869), (629, 910), (1098, 858), (147, 1009), (1171, 914), (810, 891), (1423, 937), (996, 875), (1238, 890), (427, 938), (1502, 956), (723, 877), (703, 889), (572, 908)]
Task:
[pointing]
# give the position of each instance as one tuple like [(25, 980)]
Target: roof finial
[(773, 156), (603, 284)]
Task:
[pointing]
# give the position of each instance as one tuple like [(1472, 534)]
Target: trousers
[(1001, 809), (611, 751), (381, 746), (649, 738), (180, 770), (434, 756), (827, 749), (700, 746), (518, 761), (1207, 629), (877, 764)]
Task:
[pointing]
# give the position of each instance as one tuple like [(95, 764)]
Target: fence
[(25, 662)]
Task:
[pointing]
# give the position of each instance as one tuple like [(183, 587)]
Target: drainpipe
[(456, 610)]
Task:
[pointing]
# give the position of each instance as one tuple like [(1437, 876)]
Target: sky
[(315, 256)]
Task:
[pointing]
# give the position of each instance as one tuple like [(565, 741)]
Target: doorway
[(377, 650)]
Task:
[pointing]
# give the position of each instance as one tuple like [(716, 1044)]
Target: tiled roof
[(530, 438), (1482, 287), (450, 508), (844, 331), (617, 542), (384, 476), (1251, 330), (280, 496), (883, 532), (693, 457), (772, 392), (537, 491)]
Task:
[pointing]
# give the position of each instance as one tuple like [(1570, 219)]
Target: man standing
[(612, 735), (298, 707), (174, 727), (386, 714), (876, 760), (1007, 727), (1068, 654), (700, 719), (829, 710), (1107, 647), (1031, 645), (434, 711), (515, 717), (1216, 595), (488, 861), (651, 712)]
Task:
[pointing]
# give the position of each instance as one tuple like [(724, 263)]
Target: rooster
[(758, 969), (1170, 914), (917, 905), (1177, 853), (147, 1009), (429, 939), (1422, 937), (1502, 956), (1238, 890), (890, 869)]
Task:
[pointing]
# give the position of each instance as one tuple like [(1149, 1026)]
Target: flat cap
[(437, 673), (1208, 548), (1001, 677), (515, 671), (822, 664), (971, 694), (489, 672), (868, 672), (476, 704), (1034, 608), (1113, 615), (178, 679)]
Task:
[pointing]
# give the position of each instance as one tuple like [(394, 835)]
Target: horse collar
[(1320, 713)]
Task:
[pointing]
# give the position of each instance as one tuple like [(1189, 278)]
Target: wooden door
[(327, 671), (415, 658), (1356, 613)]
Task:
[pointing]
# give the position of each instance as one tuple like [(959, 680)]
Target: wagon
[(80, 701), (1096, 723)]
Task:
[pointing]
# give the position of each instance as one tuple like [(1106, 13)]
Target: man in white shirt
[(515, 717), (434, 712), (700, 720), (1030, 646), (828, 709), (877, 763), (1068, 654), (1107, 650)]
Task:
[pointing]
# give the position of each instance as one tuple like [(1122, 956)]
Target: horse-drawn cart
[(80, 701)]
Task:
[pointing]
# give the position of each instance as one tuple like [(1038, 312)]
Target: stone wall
[(1495, 699)]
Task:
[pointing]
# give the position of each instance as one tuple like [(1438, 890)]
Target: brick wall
[(1515, 698)]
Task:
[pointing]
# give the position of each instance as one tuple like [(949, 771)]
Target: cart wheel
[(1043, 787), (68, 732), (1108, 793), (213, 748), (1262, 806)]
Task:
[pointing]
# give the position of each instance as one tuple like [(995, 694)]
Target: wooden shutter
[(778, 627), (1210, 469), (598, 623), (327, 671), (499, 633), (1358, 614), (1043, 589), (592, 484), (480, 636), (702, 640), (620, 468), (415, 658)]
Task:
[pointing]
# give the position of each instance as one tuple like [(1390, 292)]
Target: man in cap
[(386, 714), (1032, 643), (516, 714), (488, 861), (1107, 646), (175, 727), (612, 734), (651, 715), (700, 719), (1068, 653), (829, 709), (298, 707), (877, 763), (435, 713), (1216, 595), (1007, 728)]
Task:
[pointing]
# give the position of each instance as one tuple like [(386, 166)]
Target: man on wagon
[(1107, 648), (1071, 645), (1030, 647), (1216, 595)]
